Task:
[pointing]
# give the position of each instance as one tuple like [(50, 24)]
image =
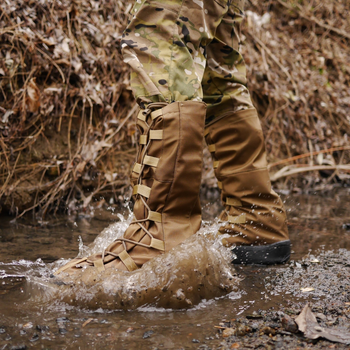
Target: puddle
[(40, 314)]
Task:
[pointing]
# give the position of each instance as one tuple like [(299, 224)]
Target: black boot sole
[(276, 253)]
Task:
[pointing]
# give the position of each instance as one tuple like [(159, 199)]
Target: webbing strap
[(141, 116), (142, 190), (127, 261), (137, 168), (72, 263), (154, 216), (157, 244), (143, 140), (206, 132), (220, 185), (99, 265), (156, 114), (156, 134), (216, 164), (212, 148), (241, 219), (151, 161), (233, 202)]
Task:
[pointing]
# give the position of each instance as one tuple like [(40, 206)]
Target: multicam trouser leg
[(182, 50)]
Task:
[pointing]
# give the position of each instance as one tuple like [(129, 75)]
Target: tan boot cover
[(254, 212), (166, 179)]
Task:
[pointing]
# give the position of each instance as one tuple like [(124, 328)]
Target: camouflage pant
[(183, 50)]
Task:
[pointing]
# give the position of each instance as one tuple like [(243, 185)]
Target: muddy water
[(38, 314)]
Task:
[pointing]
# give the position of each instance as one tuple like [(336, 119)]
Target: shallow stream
[(37, 314)]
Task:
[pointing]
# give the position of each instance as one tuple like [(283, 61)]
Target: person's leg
[(164, 44), (254, 214)]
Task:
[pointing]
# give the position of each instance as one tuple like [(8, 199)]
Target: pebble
[(34, 338), (42, 329), (147, 334), (28, 325), (19, 347), (289, 325), (62, 330), (227, 332), (268, 331)]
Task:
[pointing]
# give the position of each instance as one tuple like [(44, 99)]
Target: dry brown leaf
[(33, 96)]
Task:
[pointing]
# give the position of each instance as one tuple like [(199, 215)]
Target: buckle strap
[(151, 161), (241, 219), (212, 148), (206, 131), (141, 115), (137, 168), (220, 185), (72, 263), (216, 164), (142, 190), (157, 244), (157, 113), (156, 134), (99, 265), (143, 140), (127, 261), (234, 202), (154, 216)]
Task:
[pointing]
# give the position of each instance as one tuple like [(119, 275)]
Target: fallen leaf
[(33, 96), (307, 324), (307, 289)]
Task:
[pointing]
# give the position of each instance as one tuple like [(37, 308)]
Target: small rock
[(321, 316), (2, 330), (28, 325), (242, 330), (34, 338), (19, 347), (254, 316), (195, 341), (227, 332), (268, 331), (42, 329), (346, 226), (130, 330), (147, 334), (289, 324), (62, 331), (62, 320)]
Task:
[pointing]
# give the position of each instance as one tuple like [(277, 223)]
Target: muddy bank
[(67, 116)]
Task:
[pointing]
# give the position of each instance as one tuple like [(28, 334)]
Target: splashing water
[(196, 270)]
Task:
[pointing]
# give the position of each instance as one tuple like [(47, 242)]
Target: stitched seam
[(174, 169)]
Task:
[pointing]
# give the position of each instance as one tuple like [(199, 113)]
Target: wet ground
[(252, 315)]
